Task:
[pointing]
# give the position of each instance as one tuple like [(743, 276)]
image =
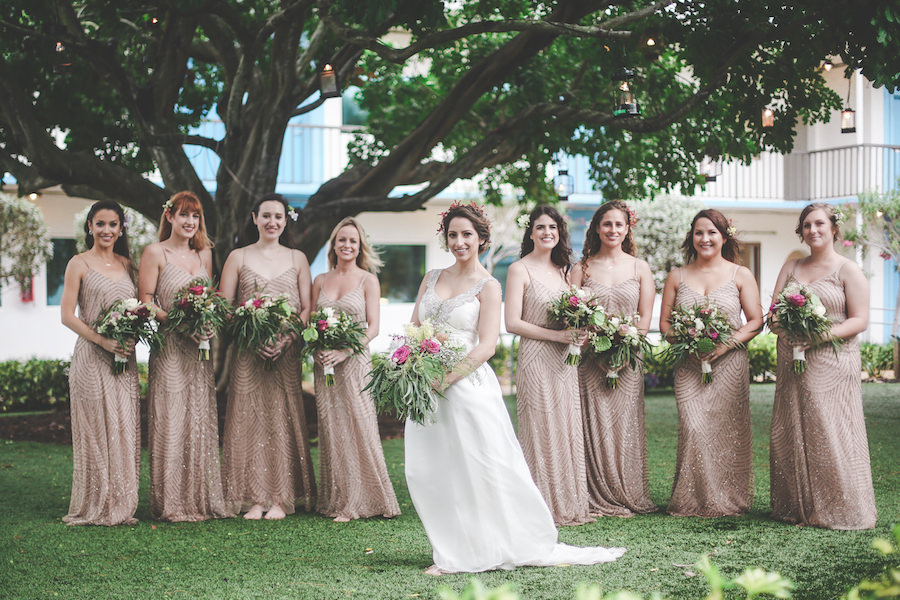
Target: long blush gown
[(182, 428), (353, 478), (615, 435), (105, 410), (266, 446), (549, 414), (819, 453), (466, 473), (714, 462)]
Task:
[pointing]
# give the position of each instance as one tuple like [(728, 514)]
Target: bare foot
[(255, 513), (341, 519), (275, 513), (435, 571)]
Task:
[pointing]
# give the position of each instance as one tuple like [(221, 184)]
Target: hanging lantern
[(63, 61), (564, 184), (328, 86), (709, 169), (848, 120), (626, 105), (768, 118), (827, 65)]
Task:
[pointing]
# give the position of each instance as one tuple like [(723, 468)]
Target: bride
[(466, 473)]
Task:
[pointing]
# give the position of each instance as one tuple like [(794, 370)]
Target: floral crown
[(457, 204), (632, 216)]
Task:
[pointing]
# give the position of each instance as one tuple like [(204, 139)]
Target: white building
[(764, 199)]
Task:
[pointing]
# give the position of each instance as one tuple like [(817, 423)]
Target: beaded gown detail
[(714, 462), (615, 434), (182, 428), (466, 474), (819, 455), (353, 477), (266, 447), (549, 414), (105, 415)]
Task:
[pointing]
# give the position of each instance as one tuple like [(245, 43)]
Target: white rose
[(615, 322), (331, 321), (131, 303), (328, 312), (248, 303), (698, 324), (819, 310)]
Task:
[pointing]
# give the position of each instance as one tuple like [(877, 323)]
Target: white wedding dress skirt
[(466, 473)]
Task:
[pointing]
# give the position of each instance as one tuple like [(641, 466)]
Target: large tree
[(97, 94)]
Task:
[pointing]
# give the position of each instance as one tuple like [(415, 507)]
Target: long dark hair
[(731, 248), (121, 246), (561, 255), (251, 232), (592, 241)]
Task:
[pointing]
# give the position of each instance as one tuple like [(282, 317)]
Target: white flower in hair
[(523, 221)]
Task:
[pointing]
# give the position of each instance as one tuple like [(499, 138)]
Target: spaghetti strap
[(165, 253), (734, 273), (634, 274), (837, 272), (680, 274)]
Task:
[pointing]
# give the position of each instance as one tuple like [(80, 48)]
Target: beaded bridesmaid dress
[(266, 447), (353, 478), (105, 418), (615, 435), (714, 463), (549, 413), (466, 474), (819, 455), (183, 433)]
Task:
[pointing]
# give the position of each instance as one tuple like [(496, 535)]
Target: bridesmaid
[(185, 477), (614, 432), (104, 407), (714, 464), (819, 454), (549, 412), (267, 463), (353, 478)]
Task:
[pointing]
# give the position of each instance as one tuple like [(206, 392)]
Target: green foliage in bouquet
[(259, 321), (405, 390)]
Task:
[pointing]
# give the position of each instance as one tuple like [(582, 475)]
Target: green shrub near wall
[(876, 358), (763, 357), (39, 384)]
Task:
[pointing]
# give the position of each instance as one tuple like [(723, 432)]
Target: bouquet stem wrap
[(799, 359), (612, 379), (329, 375), (204, 350), (574, 355), (706, 370), (120, 365)]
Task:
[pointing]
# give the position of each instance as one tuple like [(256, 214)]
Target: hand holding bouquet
[(199, 310), (406, 381), (332, 329), (697, 330), (127, 321), (801, 315), (574, 309), (260, 320), (617, 341)]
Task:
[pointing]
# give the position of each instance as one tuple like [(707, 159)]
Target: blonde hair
[(367, 259)]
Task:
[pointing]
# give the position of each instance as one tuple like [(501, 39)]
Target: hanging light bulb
[(768, 118), (827, 64), (564, 184), (328, 86)]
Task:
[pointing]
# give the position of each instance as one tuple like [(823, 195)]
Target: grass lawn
[(308, 556)]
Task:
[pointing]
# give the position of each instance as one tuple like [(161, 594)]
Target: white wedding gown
[(466, 473)]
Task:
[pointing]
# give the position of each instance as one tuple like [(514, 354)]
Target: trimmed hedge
[(38, 384)]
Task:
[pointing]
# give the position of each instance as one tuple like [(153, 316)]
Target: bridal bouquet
[(199, 309), (403, 380), (617, 341), (259, 321), (697, 330), (801, 315), (331, 329), (128, 320), (574, 309)]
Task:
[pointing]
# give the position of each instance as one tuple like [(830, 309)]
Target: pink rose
[(431, 346), (257, 302), (713, 335), (847, 243), (772, 308), (623, 330), (401, 354), (322, 324), (797, 299), (197, 290), (692, 332), (704, 311), (573, 301)]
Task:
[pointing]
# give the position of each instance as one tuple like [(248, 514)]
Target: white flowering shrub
[(24, 239), (662, 225), (141, 232)]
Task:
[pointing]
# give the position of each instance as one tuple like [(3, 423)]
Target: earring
[(120, 233), (90, 232)]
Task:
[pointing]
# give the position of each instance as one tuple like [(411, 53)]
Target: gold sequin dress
[(614, 430), (353, 477), (819, 453), (266, 447), (105, 418), (183, 434), (549, 413), (714, 463)]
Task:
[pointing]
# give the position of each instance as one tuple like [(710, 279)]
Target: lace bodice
[(458, 315)]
